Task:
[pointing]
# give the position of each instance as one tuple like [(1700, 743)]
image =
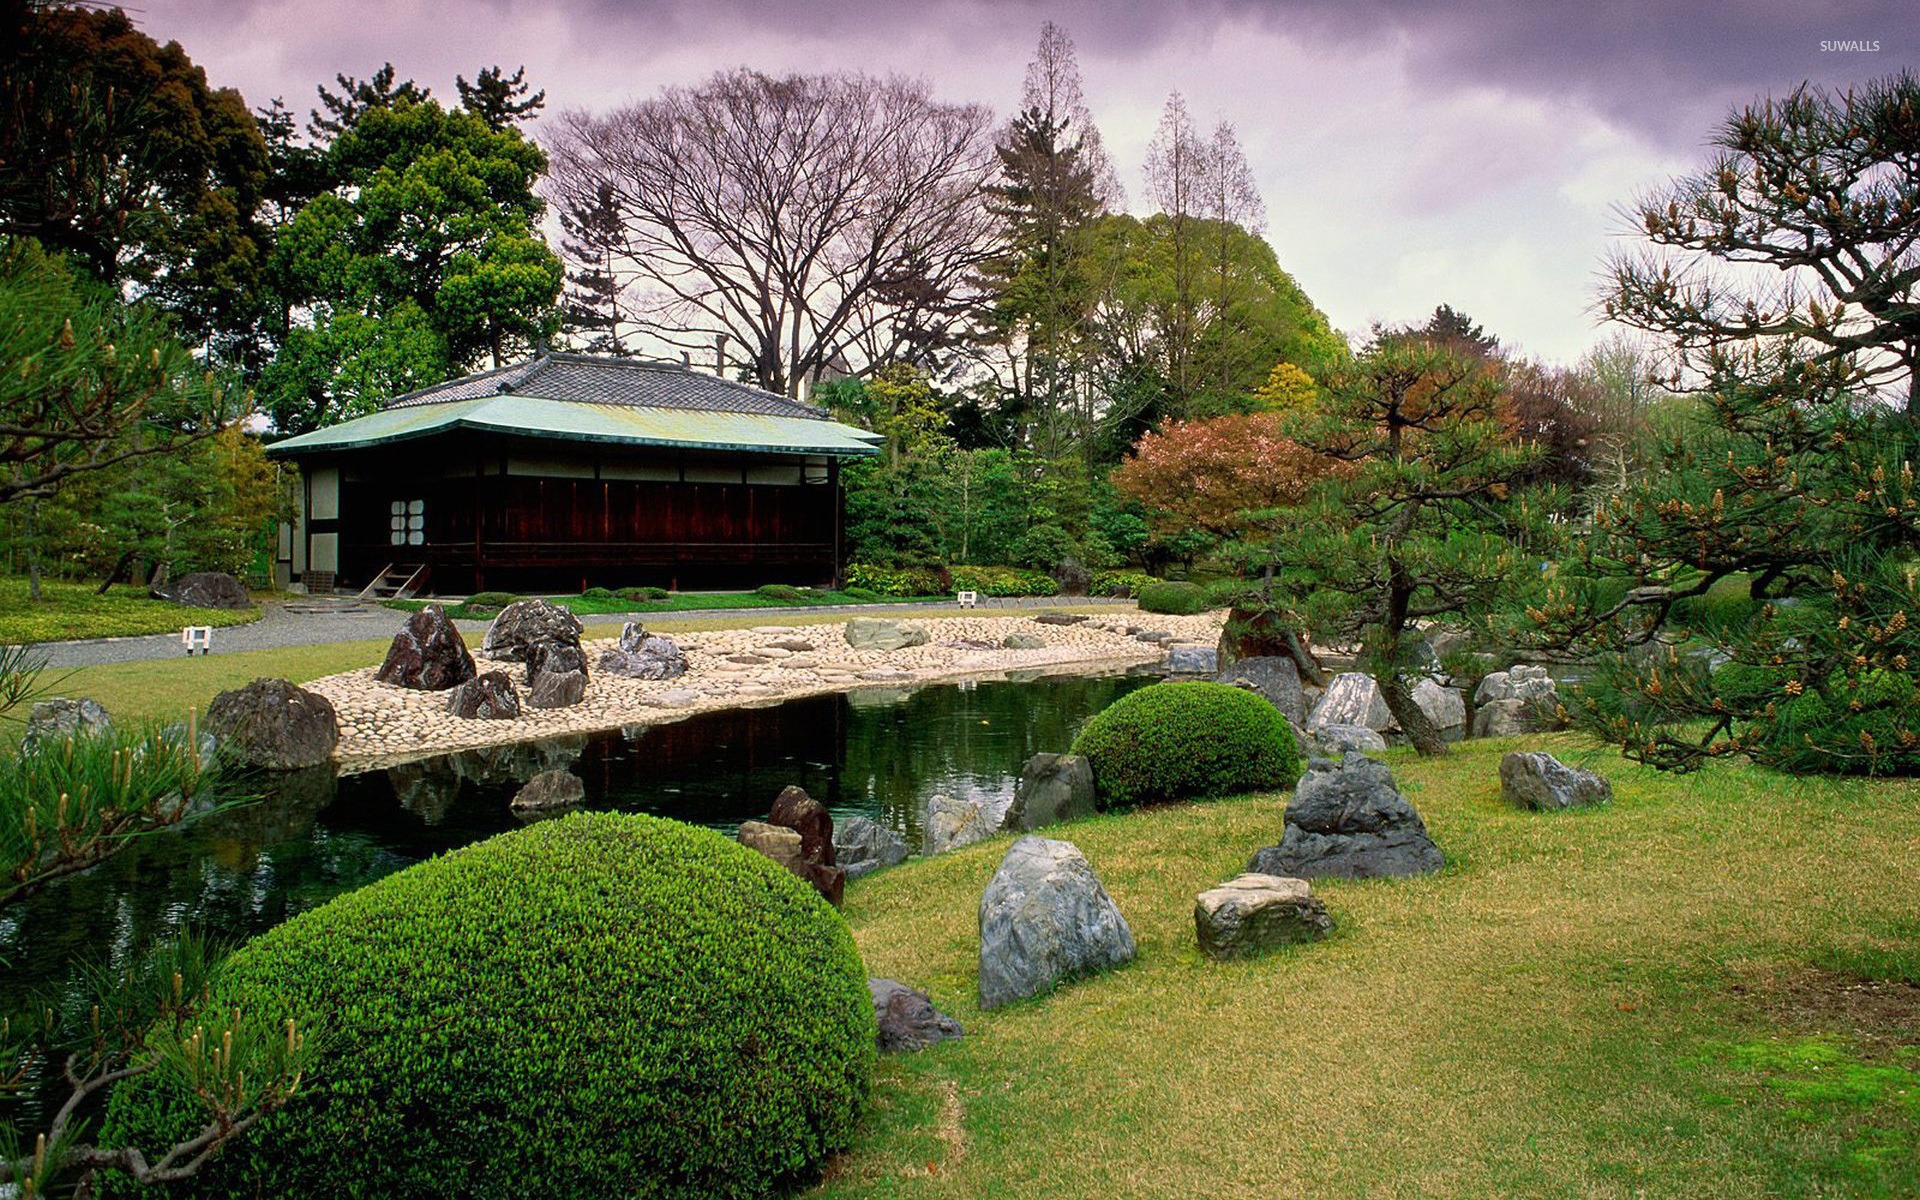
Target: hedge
[(1176, 741), (1183, 599), (897, 581), (1002, 581), (601, 1005), (1119, 583)]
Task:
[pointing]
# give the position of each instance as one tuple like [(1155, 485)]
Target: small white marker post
[(197, 637), (969, 599)]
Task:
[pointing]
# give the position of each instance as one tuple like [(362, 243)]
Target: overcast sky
[(1410, 152)]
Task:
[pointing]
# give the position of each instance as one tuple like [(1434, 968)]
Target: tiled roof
[(586, 379)]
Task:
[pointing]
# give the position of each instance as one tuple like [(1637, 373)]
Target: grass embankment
[(71, 610), (165, 689), (1668, 997)]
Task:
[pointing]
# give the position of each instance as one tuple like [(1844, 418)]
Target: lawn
[(1673, 996), (72, 610)]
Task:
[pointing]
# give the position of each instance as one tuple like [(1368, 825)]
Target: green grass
[(681, 602), (72, 610), (1549, 1016)]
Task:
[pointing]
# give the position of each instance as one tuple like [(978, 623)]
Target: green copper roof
[(571, 420)]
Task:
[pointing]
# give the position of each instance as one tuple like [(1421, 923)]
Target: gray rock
[(1333, 741), (907, 1018), (1517, 683), (1503, 718), (1154, 636), (794, 645), (52, 722), (1351, 698), (1060, 618), (952, 823), (1252, 914), (883, 634), (555, 658), (428, 654), (652, 657), (205, 589), (489, 697), (1053, 788), (632, 636), (1193, 660), (861, 847), (1347, 820), (549, 789), (1444, 706), (526, 624), (274, 724), (1045, 919), (1021, 641), (557, 689), (1276, 678), (1537, 780)]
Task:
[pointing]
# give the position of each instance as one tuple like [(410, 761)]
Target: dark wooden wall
[(498, 531)]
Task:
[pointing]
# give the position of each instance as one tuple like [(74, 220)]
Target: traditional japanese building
[(568, 471)]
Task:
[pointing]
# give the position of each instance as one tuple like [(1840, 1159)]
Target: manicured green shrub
[(1119, 583), (1002, 581), (598, 593), (644, 593), (1176, 741), (860, 593), (897, 581), (601, 1005), (491, 599), (1183, 599), (782, 591)]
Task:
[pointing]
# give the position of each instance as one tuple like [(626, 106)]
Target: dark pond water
[(879, 754)]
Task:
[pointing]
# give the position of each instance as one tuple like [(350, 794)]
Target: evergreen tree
[(591, 307), (500, 100), (357, 97)]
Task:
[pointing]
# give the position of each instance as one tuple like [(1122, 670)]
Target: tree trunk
[(1409, 716)]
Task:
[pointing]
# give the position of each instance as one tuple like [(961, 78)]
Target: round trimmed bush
[(1181, 599), (1177, 741), (601, 1005)]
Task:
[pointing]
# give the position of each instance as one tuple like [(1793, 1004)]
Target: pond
[(877, 753)]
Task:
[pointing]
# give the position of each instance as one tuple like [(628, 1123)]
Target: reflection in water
[(878, 753)]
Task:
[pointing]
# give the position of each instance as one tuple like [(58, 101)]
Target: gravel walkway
[(304, 623)]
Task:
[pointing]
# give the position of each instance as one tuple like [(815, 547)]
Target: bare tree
[(819, 221), (1179, 167), (1053, 88), (1228, 198)]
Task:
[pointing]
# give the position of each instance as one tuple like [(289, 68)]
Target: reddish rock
[(428, 654), (794, 809)]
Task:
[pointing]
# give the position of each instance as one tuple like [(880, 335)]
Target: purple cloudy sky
[(1410, 151)]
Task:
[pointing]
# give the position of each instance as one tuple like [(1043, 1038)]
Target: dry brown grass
[(1525, 1023)]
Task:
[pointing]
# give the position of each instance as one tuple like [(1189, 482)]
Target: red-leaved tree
[(1224, 475)]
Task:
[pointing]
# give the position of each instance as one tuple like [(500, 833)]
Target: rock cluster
[(428, 654), (546, 637), (1053, 788), (1045, 919), (1522, 699), (640, 655), (1347, 820), (1252, 914), (798, 834), (1536, 780), (274, 724)]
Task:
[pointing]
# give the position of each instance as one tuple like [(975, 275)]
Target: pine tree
[(500, 100), (590, 239)]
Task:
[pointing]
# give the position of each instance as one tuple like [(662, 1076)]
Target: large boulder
[(428, 654), (1347, 820), (556, 689), (907, 1018), (883, 634), (861, 847), (645, 657), (1504, 718), (954, 821), (1252, 914), (1192, 660), (51, 722), (1045, 919), (1273, 676), (488, 697), (794, 809), (1536, 780), (1351, 698), (205, 589), (549, 790), (1444, 706), (1518, 683), (1053, 788), (526, 627), (555, 658), (275, 724)]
